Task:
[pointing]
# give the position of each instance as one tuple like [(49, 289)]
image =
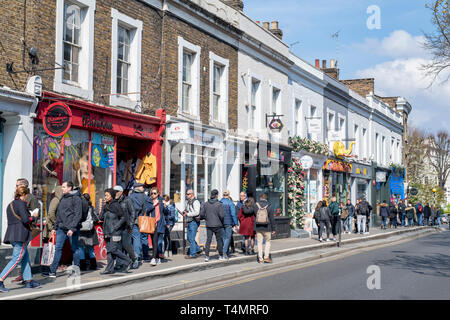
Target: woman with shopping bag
[(155, 206), (19, 234)]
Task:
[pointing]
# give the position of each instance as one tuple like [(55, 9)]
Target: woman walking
[(156, 208), (88, 237), (246, 219), (392, 215), (18, 234), (115, 222)]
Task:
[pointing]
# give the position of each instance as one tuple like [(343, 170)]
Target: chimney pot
[(324, 64), (258, 22), (317, 63), (332, 65), (274, 25), (266, 25)]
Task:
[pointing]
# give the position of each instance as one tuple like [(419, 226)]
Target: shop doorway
[(1, 169), (132, 155)]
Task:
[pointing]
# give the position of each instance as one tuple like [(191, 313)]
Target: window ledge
[(123, 101), (63, 87), (188, 116)]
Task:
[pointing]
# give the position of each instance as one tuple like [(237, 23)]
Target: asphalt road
[(418, 269)]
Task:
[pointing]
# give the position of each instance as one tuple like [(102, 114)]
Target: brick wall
[(361, 86), (173, 28)]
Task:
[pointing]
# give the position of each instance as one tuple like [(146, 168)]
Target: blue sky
[(392, 54)]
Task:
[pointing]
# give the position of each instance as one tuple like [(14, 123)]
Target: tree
[(438, 42), (438, 153), (414, 154)]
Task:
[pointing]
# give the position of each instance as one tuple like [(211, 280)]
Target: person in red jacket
[(246, 221)]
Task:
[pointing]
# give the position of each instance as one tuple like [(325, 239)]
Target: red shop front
[(95, 147)]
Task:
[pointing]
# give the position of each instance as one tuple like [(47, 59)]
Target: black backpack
[(363, 208)]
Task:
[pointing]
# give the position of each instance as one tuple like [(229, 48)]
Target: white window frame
[(297, 116), (134, 72), (223, 103), (356, 131), (258, 99), (343, 127), (184, 45), (365, 142), (84, 87), (330, 126), (277, 108)]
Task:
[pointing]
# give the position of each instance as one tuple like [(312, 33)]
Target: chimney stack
[(266, 25), (275, 30), (332, 71), (236, 4)]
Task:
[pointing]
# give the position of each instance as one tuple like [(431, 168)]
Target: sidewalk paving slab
[(175, 265)]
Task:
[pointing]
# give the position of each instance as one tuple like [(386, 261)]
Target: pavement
[(409, 270), (281, 250)]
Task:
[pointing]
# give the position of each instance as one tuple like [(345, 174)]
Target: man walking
[(351, 214), (264, 227), (68, 219), (362, 212), (427, 214), (230, 221), (212, 211), (192, 216), (335, 218), (419, 213), (140, 240), (130, 214)]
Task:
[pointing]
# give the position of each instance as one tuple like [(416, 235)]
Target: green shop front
[(265, 171)]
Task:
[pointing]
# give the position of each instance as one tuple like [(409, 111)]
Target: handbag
[(48, 252), (147, 224), (34, 231), (88, 224)]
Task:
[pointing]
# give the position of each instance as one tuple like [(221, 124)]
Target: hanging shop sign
[(380, 176), (314, 125), (307, 162), (57, 119), (336, 165), (276, 124)]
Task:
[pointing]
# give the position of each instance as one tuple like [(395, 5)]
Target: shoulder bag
[(34, 231), (147, 224)]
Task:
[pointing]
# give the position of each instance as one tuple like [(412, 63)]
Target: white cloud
[(404, 77), (399, 44)]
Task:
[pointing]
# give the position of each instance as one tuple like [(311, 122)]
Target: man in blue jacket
[(140, 240), (229, 221), (67, 225)]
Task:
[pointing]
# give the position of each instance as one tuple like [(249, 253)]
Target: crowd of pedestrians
[(72, 218)]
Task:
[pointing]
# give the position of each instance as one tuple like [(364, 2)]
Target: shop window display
[(273, 185)]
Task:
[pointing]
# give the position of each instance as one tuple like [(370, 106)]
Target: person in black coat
[(264, 230), (18, 234), (114, 222), (426, 215), (392, 215), (384, 213), (88, 238)]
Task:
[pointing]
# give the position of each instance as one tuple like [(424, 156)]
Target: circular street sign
[(413, 191), (307, 162), (57, 119)]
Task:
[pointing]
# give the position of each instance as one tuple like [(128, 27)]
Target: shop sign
[(334, 135), (96, 123), (178, 131), (314, 125), (336, 165), (380, 176), (57, 119), (307, 162), (276, 124), (144, 132), (361, 171)]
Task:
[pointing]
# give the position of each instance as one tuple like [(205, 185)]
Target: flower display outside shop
[(298, 143), (296, 194)]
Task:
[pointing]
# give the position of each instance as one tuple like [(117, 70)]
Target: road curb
[(49, 294)]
